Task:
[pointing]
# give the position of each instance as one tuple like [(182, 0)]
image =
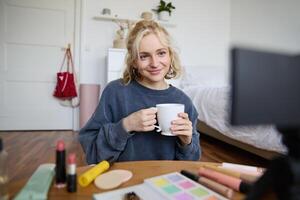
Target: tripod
[(283, 175)]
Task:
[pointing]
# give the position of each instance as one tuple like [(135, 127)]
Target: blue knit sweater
[(104, 136)]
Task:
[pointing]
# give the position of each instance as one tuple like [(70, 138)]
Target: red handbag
[(65, 86)]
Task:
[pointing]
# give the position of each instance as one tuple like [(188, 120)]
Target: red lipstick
[(60, 168)]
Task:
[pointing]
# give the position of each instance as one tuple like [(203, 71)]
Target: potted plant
[(164, 10)]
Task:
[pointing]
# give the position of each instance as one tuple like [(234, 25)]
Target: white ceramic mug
[(166, 113)]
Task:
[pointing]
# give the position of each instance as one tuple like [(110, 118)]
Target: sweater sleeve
[(101, 137), (191, 151)]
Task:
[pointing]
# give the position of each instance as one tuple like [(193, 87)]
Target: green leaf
[(162, 3), (163, 6)]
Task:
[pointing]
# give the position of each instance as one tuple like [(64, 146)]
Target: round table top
[(140, 169)]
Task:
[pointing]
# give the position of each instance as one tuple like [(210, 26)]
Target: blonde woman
[(122, 126)]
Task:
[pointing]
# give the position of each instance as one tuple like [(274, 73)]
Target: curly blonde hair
[(137, 33)]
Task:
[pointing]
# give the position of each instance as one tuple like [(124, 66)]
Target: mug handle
[(158, 128)]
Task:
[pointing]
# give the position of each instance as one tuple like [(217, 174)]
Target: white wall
[(204, 30), (201, 32), (268, 24)]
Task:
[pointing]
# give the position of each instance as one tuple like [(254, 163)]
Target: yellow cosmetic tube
[(87, 177)]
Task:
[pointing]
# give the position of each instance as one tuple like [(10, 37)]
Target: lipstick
[(71, 173), (60, 168)]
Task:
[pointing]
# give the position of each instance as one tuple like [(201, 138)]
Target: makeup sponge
[(112, 179)]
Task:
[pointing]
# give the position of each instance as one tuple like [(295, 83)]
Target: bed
[(211, 99)]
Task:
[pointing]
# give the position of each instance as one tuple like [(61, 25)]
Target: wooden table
[(140, 169)]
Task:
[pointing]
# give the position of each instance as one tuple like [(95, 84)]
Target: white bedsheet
[(211, 104)]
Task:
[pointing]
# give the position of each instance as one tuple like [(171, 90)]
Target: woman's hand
[(183, 128), (142, 120)]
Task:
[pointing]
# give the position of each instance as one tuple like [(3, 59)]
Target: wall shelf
[(127, 20)]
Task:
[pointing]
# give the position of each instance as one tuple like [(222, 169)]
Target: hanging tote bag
[(65, 86), (74, 102)]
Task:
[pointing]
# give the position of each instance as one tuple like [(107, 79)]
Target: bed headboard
[(197, 75)]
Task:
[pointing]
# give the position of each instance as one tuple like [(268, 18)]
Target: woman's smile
[(154, 71)]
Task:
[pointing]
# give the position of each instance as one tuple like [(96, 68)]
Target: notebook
[(172, 186)]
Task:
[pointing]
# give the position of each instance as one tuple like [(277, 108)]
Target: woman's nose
[(154, 61)]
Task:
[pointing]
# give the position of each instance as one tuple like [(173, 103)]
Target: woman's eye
[(143, 57), (162, 53)]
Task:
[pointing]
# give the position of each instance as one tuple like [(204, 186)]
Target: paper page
[(143, 191)]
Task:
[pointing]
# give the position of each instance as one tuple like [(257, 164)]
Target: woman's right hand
[(141, 121)]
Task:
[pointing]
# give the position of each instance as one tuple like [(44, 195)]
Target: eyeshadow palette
[(172, 186), (178, 187)]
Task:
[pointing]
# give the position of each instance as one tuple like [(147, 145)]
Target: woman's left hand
[(183, 128)]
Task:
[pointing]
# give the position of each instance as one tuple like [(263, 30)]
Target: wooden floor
[(27, 150), (217, 151)]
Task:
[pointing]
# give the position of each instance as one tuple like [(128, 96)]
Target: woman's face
[(153, 62)]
